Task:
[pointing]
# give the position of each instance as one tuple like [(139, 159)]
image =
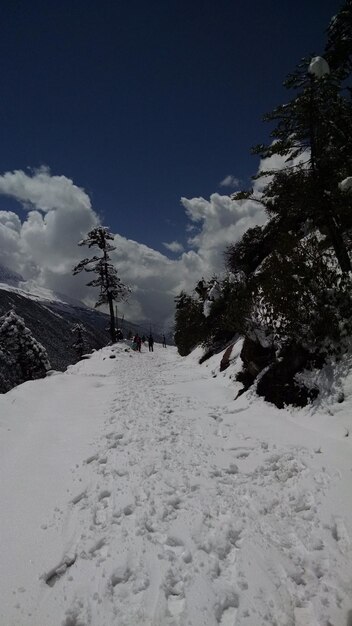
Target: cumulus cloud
[(42, 246), (230, 181), (275, 163), (222, 221), (43, 190), (174, 246)]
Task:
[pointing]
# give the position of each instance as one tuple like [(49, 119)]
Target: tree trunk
[(109, 296), (112, 318), (338, 243)]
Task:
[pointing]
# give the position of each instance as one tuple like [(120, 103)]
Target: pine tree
[(297, 267), (78, 345), (189, 323), (23, 357), (338, 50), (315, 128), (7, 370), (111, 287)]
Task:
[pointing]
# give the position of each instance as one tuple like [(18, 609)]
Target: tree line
[(287, 287)]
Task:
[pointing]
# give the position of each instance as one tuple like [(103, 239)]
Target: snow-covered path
[(154, 499)]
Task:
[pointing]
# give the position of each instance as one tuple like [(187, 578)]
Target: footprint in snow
[(81, 496), (175, 597), (340, 534), (216, 417), (226, 607), (121, 574), (103, 508), (304, 615), (96, 547), (90, 459), (53, 575)]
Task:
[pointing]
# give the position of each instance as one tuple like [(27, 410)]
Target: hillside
[(50, 318), (51, 322), (161, 501)]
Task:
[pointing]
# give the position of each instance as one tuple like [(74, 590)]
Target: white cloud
[(42, 190), (43, 245), (174, 246), (230, 181), (223, 221), (275, 163)]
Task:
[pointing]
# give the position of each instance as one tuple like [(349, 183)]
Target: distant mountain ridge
[(9, 276), (50, 317)]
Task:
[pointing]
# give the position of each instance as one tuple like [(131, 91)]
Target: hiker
[(151, 343), (137, 340), (164, 342)]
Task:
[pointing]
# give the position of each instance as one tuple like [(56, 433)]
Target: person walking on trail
[(137, 340), (164, 342), (151, 343)]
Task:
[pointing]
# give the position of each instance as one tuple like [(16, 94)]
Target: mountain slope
[(50, 317), (161, 501), (51, 324)]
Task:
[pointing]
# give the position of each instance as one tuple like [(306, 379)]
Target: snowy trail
[(175, 509)]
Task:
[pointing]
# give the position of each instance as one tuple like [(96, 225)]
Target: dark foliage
[(106, 277), (79, 340), (189, 323), (22, 356), (289, 288)]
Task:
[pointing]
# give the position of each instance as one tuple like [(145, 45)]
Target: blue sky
[(131, 114), (141, 103)]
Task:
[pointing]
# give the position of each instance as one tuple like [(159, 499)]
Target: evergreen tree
[(189, 323), (314, 128), (111, 287), (78, 345), (7, 370), (23, 357), (338, 50), (297, 267)]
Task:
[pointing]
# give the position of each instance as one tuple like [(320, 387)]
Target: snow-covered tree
[(312, 135), (78, 345), (22, 356), (107, 279), (298, 265), (338, 50)]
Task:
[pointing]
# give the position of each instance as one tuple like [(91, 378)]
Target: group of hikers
[(137, 342)]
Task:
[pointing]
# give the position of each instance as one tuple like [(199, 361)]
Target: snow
[(346, 184), (136, 491), (318, 67), (213, 295), (207, 307), (30, 289), (214, 292)]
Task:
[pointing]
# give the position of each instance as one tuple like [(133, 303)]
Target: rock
[(278, 386), (225, 361), (255, 357)]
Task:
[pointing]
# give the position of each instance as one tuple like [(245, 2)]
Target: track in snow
[(181, 519)]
